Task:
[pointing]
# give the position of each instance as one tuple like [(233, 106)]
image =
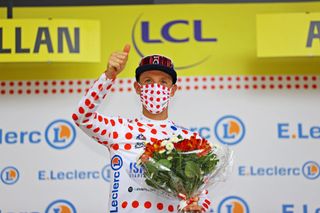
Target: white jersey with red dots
[(125, 139)]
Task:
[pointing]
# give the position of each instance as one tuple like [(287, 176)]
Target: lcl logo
[(176, 37), (166, 29)]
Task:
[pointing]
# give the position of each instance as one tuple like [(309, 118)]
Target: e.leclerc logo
[(61, 206), (10, 175), (229, 130), (75, 174), (233, 204), (59, 134), (116, 164), (299, 131), (309, 170), (174, 36)]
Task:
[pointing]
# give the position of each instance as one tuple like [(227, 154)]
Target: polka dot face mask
[(155, 97)]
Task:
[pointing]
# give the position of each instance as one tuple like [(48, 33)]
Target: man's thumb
[(127, 48)]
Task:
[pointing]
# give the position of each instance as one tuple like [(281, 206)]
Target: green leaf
[(192, 169), (164, 162)]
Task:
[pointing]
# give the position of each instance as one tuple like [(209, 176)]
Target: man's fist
[(117, 62)]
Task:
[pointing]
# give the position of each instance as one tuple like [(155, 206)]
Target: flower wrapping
[(183, 168)]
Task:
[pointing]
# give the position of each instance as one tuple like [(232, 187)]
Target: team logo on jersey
[(116, 162), (141, 137)]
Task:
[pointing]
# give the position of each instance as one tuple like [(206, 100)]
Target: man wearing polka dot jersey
[(155, 84)]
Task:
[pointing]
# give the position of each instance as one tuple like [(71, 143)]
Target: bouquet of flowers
[(183, 167)]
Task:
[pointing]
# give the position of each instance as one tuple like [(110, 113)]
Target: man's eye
[(148, 81), (164, 82)]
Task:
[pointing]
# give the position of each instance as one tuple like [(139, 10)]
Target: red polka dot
[(115, 146), (120, 120), (147, 204), (87, 102), (115, 135), (100, 118), (96, 130), (128, 136), (154, 131), (164, 132), (106, 121), (89, 126), (81, 110), (130, 127), (135, 204), (185, 131), (141, 130), (103, 132), (127, 146), (205, 205), (74, 117), (113, 123), (170, 208), (151, 125), (160, 206), (163, 125), (88, 114), (124, 204)]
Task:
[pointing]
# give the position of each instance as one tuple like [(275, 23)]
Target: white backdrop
[(45, 164)]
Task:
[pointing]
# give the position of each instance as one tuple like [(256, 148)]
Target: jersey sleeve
[(99, 127)]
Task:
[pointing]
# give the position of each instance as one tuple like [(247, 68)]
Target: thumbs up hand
[(117, 62)]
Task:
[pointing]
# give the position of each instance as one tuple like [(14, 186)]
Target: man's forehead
[(155, 73)]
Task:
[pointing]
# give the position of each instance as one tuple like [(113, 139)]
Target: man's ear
[(173, 90), (137, 87)]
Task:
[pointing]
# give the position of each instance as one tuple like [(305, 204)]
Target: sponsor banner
[(288, 34), (213, 39), (274, 133), (49, 40)]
